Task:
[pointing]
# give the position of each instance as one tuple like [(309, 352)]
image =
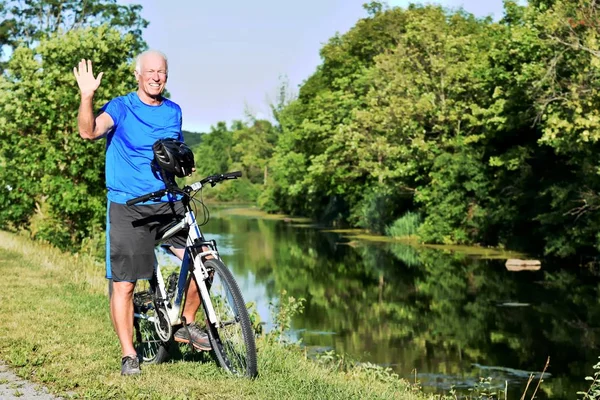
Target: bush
[(405, 226), (266, 200), (380, 207)]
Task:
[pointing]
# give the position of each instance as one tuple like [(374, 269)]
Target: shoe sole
[(196, 346), (131, 373)]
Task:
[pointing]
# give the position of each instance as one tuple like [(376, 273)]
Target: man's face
[(152, 77)]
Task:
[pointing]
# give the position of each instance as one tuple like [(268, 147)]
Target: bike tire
[(148, 345), (233, 341)]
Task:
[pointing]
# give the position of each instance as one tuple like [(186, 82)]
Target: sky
[(227, 58)]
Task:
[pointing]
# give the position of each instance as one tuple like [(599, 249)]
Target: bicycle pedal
[(141, 299)]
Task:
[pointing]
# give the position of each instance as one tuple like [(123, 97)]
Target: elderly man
[(131, 124)]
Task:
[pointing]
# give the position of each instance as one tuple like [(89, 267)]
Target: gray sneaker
[(200, 338), (130, 365)]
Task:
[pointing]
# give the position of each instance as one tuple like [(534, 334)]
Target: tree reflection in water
[(451, 317)]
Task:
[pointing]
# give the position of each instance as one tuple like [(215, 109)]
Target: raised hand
[(85, 78)]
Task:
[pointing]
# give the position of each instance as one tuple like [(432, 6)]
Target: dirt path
[(14, 388)]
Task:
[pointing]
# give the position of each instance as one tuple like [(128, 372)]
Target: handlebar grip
[(154, 195), (139, 199), (232, 175)]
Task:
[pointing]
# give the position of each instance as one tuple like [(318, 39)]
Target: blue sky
[(227, 57)]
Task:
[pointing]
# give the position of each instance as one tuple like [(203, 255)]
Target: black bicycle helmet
[(173, 157)]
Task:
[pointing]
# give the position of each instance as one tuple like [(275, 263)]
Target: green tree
[(213, 154), (52, 181), (28, 22), (488, 130), (568, 114), (301, 183), (253, 148), (192, 139)]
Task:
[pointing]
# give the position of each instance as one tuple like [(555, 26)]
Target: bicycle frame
[(195, 240)]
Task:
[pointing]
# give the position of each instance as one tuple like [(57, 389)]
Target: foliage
[(488, 130), (380, 205), (52, 181), (282, 314), (246, 147), (213, 154), (253, 148), (484, 390), (25, 23), (192, 139), (405, 226), (255, 320), (240, 190), (594, 390), (339, 362)]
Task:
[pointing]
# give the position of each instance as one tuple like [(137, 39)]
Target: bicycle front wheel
[(232, 339)]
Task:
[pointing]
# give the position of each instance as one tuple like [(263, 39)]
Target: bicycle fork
[(201, 275), (195, 239)]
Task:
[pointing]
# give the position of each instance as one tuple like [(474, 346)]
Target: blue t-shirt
[(129, 154)]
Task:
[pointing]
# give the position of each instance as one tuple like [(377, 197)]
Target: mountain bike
[(158, 304)]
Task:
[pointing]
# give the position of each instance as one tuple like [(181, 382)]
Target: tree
[(52, 181), (301, 183), (253, 149), (213, 154), (566, 99), (28, 22)]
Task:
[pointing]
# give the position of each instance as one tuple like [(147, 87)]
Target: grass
[(56, 331)]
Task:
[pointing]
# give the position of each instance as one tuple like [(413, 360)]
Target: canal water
[(443, 318)]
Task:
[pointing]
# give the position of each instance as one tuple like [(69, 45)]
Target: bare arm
[(90, 127)]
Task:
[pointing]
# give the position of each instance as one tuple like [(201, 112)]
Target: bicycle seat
[(162, 230)]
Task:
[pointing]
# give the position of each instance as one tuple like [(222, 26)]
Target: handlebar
[(150, 196), (186, 190)]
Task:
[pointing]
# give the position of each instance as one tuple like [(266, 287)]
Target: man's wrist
[(87, 95)]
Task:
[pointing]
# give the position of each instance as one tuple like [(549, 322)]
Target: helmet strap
[(168, 179)]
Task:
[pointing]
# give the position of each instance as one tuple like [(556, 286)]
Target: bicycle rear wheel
[(150, 348), (232, 339)]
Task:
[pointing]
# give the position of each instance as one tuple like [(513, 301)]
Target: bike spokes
[(232, 337)]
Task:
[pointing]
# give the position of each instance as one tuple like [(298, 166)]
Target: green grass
[(56, 331)]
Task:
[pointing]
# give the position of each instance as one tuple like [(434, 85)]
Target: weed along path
[(14, 388)]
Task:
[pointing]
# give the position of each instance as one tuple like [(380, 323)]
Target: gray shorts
[(131, 234)]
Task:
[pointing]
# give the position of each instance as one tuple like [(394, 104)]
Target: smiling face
[(151, 74)]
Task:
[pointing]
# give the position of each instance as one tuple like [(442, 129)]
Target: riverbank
[(355, 235), (57, 333)]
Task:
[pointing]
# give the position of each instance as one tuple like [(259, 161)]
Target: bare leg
[(192, 298), (110, 292), (121, 311), (192, 302)]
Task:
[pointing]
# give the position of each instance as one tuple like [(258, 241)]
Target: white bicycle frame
[(200, 272)]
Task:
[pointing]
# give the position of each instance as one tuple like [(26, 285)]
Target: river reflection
[(446, 316)]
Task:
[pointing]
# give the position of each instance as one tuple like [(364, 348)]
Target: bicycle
[(158, 304)]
